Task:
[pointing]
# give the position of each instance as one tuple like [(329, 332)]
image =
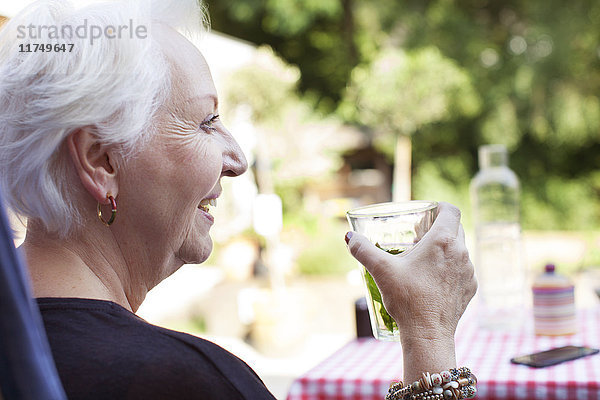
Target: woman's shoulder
[(96, 339)]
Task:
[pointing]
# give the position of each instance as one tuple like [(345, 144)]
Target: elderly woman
[(113, 150)]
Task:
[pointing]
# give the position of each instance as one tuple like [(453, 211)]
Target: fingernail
[(348, 236)]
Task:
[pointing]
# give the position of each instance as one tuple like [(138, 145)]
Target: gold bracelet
[(455, 384)]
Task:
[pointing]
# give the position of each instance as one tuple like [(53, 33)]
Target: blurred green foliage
[(268, 87), (325, 252), (399, 92), (524, 74)]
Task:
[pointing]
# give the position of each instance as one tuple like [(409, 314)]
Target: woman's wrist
[(422, 353)]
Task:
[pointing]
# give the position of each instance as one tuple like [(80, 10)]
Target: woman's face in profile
[(168, 186)]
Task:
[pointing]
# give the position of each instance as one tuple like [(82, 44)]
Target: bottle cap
[(492, 155), (550, 268)]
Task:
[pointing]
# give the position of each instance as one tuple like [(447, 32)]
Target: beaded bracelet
[(455, 384)]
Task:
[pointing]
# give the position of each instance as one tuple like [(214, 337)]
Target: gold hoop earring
[(113, 205)]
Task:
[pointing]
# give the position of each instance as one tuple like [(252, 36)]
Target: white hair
[(113, 84)]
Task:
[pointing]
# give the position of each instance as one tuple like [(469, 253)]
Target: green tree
[(316, 35), (535, 65), (401, 92), (293, 143)]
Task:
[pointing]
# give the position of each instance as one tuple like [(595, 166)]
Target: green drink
[(375, 295)]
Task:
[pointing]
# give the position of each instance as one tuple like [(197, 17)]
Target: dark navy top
[(103, 351)]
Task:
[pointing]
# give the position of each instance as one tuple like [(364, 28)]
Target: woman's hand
[(425, 289)]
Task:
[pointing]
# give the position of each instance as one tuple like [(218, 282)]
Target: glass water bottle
[(495, 194)]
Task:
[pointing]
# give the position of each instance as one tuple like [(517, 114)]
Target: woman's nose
[(234, 160)]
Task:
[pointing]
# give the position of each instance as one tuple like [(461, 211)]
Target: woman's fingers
[(374, 259), (460, 239), (446, 228), (447, 219)]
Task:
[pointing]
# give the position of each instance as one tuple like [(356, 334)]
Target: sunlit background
[(340, 103)]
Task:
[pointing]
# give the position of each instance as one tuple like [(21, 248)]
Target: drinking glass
[(393, 227)]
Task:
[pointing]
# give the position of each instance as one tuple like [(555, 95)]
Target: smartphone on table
[(554, 356)]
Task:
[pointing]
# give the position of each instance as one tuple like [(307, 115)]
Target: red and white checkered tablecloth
[(363, 369)]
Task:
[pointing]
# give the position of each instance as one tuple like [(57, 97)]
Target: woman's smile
[(204, 207)]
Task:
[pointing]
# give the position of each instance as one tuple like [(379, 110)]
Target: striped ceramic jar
[(554, 304)]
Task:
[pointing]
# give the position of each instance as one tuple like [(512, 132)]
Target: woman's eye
[(208, 123)]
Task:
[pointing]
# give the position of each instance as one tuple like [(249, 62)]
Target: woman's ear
[(93, 163)]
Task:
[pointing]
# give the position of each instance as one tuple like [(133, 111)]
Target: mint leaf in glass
[(389, 322)]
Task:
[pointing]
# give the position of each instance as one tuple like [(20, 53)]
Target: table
[(363, 368)]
